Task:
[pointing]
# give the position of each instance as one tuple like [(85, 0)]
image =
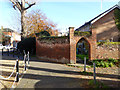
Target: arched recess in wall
[(82, 50)]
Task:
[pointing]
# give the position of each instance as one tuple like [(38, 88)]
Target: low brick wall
[(53, 52), (108, 51)]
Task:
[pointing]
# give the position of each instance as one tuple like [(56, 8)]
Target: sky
[(64, 13)]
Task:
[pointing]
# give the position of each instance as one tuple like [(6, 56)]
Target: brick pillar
[(71, 32), (93, 45), (72, 45)]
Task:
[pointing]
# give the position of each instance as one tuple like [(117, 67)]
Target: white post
[(17, 70), (94, 74), (28, 57), (84, 64), (24, 54)]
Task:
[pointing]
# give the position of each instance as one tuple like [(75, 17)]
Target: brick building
[(105, 26), (14, 37)]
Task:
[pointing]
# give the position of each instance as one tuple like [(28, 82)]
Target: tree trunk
[(22, 25), (22, 19)]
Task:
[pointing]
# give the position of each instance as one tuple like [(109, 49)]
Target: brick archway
[(73, 41), (88, 46)]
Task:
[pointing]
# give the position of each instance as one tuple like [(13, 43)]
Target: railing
[(25, 59)]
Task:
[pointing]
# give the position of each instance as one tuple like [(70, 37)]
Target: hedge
[(80, 33), (28, 44)]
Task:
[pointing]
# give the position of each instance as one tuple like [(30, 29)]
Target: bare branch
[(13, 2), (30, 5), (14, 7), (17, 4)]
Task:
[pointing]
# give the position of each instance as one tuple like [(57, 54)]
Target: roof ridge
[(89, 22)]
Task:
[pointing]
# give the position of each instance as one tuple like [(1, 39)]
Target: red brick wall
[(53, 52), (66, 52)]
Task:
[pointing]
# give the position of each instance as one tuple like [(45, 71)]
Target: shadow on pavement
[(76, 73)]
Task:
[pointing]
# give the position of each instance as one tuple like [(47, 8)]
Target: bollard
[(2, 51), (94, 74), (18, 55), (25, 64), (18, 52), (28, 58), (13, 52), (17, 70), (24, 53), (84, 64), (8, 51)]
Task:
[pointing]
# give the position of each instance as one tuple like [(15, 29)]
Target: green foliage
[(43, 34), (28, 44), (97, 85), (105, 63), (108, 43), (54, 39), (100, 43), (111, 64), (81, 56), (102, 63), (79, 33), (112, 60), (117, 18), (98, 63), (114, 43)]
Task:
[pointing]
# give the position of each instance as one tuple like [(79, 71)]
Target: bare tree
[(21, 7)]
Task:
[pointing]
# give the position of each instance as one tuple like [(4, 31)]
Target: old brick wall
[(106, 28), (53, 52), (65, 50), (108, 51)]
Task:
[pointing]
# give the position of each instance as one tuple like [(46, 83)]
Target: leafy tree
[(36, 21)]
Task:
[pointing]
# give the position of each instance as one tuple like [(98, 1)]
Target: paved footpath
[(43, 74)]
